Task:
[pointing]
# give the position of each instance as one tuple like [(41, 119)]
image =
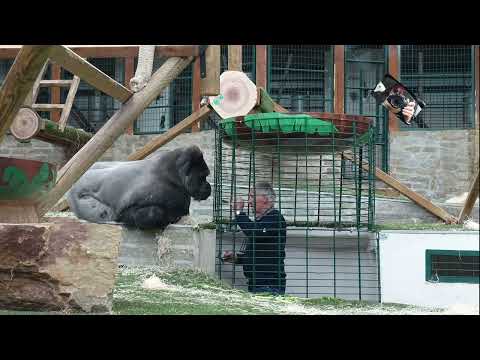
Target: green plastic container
[(288, 123)]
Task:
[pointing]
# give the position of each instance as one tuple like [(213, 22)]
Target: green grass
[(188, 292)]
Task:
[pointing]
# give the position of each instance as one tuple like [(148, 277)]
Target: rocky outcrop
[(61, 265)]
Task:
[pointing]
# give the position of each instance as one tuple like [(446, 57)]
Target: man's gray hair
[(264, 188)]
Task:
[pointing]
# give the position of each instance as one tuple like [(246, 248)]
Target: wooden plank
[(196, 96), (19, 82), (129, 73), (48, 107), (210, 85), (68, 103), (339, 80), (112, 51), (55, 92), (112, 130), (261, 66), (412, 195), (53, 83), (235, 57), (32, 97), (89, 73), (161, 140), (477, 108), (471, 199), (394, 70)]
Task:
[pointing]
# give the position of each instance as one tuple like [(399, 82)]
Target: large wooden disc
[(238, 95), (26, 124)]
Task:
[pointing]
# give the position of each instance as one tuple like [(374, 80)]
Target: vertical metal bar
[(308, 223), (296, 189), (319, 190), (334, 220), (342, 174)]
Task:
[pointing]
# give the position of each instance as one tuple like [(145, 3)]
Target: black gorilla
[(144, 194)]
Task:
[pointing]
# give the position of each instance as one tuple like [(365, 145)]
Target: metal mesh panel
[(171, 107), (300, 78), (329, 249), (443, 76), (92, 108), (365, 66)]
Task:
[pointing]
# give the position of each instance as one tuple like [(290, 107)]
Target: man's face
[(261, 202)]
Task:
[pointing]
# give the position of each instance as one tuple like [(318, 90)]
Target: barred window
[(300, 77), (452, 266), (443, 76)]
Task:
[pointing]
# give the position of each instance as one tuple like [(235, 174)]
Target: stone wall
[(437, 164)]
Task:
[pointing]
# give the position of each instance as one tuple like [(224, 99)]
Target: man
[(264, 253)]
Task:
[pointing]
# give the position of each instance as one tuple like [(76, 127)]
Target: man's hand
[(229, 256), (408, 112), (238, 204)]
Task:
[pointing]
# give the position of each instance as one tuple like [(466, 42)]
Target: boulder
[(61, 265)]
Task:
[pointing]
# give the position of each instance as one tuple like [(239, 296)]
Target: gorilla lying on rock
[(144, 194)]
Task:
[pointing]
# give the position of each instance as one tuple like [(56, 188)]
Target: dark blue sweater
[(263, 259)]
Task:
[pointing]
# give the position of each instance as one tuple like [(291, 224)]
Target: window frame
[(449, 279)]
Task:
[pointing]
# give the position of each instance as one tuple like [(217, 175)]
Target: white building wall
[(402, 268)]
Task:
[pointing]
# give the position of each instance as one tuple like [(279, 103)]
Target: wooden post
[(110, 132), (196, 96), (394, 70), (19, 82), (161, 140), (55, 92), (235, 57), (129, 73), (210, 86), (471, 199), (476, 163), (261, 66), (339, 80)]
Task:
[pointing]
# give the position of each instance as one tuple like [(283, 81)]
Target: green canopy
[(286, 123)]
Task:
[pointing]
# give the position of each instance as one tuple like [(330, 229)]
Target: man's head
[(262, 197)]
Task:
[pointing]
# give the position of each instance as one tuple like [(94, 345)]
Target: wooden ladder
[(72, 84)]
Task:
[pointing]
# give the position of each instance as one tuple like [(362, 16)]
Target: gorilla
[(143, 194)]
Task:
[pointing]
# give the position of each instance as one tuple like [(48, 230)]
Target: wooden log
[(60, 265), (161, 140), (28, 125), (56, 74), (89, 73), (210, 85), (19, 82), (196, 95), (412, 195), (144, 69), (394, 70), (235, 57), (238, 95), (114, 128), (471, 199)]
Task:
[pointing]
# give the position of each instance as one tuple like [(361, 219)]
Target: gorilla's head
[(193, 172)]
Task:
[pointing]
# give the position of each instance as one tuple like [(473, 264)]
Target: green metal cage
[(323, 177)]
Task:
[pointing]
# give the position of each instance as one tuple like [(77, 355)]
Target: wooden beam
[(210, 85), (161, 140), (261, 66), (68, 103), (55, 92), (32, 97), (339, 80), (113, 129), (394, 70), (54, 83), (477, 108), (19, 82), (129, 73), (412, 195), (112, 51), (48, 107), (196, 96), (471, 199), (235, 57), (89, 73)]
